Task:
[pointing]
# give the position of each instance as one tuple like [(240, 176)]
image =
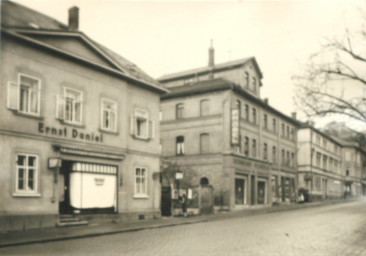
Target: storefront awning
[(88, 153)]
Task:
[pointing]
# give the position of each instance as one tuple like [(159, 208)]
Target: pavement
[(45, 235)]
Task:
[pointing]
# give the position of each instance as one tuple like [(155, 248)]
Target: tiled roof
[(16, 16), (202, 70)]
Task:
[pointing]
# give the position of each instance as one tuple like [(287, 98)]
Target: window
[(69, 106), (205, 110), (238, 106), (287, 158), (274, 124), (265, 151), (274, 154), (324, 143), (254, 84), (292, 163), (254, 148), (204, 143), (287, 132), (25, 96), (283, 129), (347, 172), (247, 112), (141, 127), (246, 79), (325, 161), (26, 173), (140, 181), (254, 114), (318, 159), (283, 160), (246, 146), (265, 121), (109, 115), (180, 145), (179, 109)]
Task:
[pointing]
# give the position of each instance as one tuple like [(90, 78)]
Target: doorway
[(261, 189), (239, 191)]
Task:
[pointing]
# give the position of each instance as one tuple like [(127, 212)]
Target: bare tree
[(341, 62)]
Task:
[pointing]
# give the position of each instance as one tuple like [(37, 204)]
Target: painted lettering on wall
[(235, 127), (69, 133)]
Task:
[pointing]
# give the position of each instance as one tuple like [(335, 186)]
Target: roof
[(216, 68), (221, 84), (23, 23)]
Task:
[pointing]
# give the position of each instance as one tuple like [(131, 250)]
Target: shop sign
[(54, 163), (66, 132), (99, 181), (235, 131)]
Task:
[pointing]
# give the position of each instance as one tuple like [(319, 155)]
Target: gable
[(74, 45)]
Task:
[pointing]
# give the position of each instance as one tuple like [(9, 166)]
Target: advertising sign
[(235, 127)]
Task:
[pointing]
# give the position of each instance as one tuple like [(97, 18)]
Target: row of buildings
[(84, 131)]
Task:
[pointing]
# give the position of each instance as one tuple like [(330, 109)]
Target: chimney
[(294, 115), (265, 100), (211, 60), (74, 18)]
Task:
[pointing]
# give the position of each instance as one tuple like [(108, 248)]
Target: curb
[(208, 218)]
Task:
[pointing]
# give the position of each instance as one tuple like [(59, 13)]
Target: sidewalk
[(58, 234)]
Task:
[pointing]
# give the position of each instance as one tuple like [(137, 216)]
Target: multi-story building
[(77, 130), (319, 164), (215, 125)]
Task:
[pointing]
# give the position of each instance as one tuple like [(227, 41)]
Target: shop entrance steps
[(66, 220)]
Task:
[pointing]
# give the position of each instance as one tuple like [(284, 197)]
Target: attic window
[(33, 25)]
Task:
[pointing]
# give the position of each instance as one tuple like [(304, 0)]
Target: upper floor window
[(288, 158), (204, 107), (265, 121), (204, 143), (254, 84), (26, 173), (238, 107), (141, 127), (109, 115), (274, 124), (140, 181), (318, 159), (274, 154), (265, 151), (247, 112), (69, 106), (292, 162), (325, 161), (292, 134), (283, 129), (179, 111), (283, 160), (246, 79), (287, 131), (246, 146), (25, 96), (254, 148), (254, 115), (180, 145)]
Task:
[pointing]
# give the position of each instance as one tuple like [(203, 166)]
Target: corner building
[(66, 97), (214, 124)]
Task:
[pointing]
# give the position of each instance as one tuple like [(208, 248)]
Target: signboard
[(235, 127), (54, 163)]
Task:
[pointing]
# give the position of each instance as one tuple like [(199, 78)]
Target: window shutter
[(13, 95), (60, 107), (151, 129), (132, 125)]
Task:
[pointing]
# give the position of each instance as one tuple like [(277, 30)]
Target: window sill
[(19, 194), (33, 116), (141, 138), (140, 196), (108, 131), (71, 124)]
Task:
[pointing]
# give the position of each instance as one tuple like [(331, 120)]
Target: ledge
[(18, 194)]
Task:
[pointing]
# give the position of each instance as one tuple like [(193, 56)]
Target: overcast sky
[(166, 37)]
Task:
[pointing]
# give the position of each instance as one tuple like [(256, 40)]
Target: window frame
[(202, 107), (143, 194), (102, 109), (26, 192), (202, 151), (179, 146), (81, 93), (179, 111)]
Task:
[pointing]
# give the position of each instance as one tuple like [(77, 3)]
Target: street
[(338, 229)]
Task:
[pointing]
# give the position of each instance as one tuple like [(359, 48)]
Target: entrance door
[(261, 189), (239, 191), (64, 204)]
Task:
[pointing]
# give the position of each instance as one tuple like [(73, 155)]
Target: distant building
[(215, 125), (66, 97), (319, 164)]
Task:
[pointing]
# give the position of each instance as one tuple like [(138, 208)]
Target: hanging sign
[(235, 127)]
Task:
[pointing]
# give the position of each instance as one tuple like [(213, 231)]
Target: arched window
[(204, 181), (179, 108)]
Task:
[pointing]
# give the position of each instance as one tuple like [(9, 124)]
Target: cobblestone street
[(328, 230)]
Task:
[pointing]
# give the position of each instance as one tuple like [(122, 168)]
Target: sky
[(163, 37)]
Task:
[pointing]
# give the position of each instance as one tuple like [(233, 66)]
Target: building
[(319, 164), (217, 129), (78, 131)]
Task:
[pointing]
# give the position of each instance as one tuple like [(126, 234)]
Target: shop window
[(204, 143), (179, 111), (69, 106), (180, 145), (205, 107), (109, 115), (26, 174), (140, 181), (141, 127), (25, 96)]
